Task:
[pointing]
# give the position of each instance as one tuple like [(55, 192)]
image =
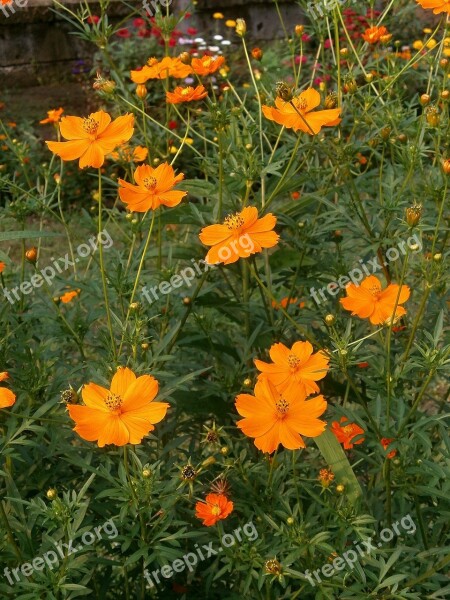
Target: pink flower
[(306, 37), (328, 43), (300, 59), (138, 22)]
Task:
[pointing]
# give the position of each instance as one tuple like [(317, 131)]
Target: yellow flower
[(230, 23), (431, 43), (218, 15), (417, 45)]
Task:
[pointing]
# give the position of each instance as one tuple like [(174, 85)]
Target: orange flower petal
[(122, 380), (142, 391), (7, 398), (95, 396)]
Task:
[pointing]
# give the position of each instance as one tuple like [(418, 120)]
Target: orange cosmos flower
[(294, 372), (297, 114), (369, 301), (122, 415), (239, 236), (438, 6), (385, 443), (187, 94), (53, 116), (128, 154), (374, 34), (272, 419), (2, 266), (7, 397), (154, 188), (346, 433), (206, 65), (216, 508), (69, 296), (155, 69), (91, 138), (284, 303)]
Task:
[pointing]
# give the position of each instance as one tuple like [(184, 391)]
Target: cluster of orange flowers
[(280, 411)]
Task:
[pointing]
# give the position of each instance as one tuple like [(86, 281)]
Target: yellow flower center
[(375, 290), (185, 92), (348, 429), (302, 104), (282, 406), (293, 361), (215, 510), (234, 221), (113, 402), (150, 183), (207, 61), (90, 125)]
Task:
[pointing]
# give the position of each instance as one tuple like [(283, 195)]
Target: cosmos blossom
[(272, 420), (91, 138), (294, 371), (124, 414), (154, 188), (438, 6), (216, 508), (369, 301), (240, 235), (299, 114), (345, 433)]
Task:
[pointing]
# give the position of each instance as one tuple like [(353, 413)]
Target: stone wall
[(36, 46)]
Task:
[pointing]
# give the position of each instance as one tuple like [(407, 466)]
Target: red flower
[(346, 433), (385, 443), (138, 22), (216, 508), (93, 20), (123, 33), (173, 125)]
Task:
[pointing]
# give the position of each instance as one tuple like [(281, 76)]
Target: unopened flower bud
[(185, 58), (241, 27), (446, 166), (340, 488), (331, 101), (272, 566), (224, 450), (135, 306), (299, 29), (432, 116), (31, 255), (413, 214), (257, 53), (141, 91), (437, 257), (186, 300), (284, 91), (385, 133), (247, 382), (51, 493), (445, 95), (330, 319), (145, 346), (344, 52), (425, 99), (146, 473)]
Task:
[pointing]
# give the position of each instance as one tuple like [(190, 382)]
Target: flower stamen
[(234, 221), (293, 361), (150, 182), (90, 125), (282, 406), (113, 402)]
